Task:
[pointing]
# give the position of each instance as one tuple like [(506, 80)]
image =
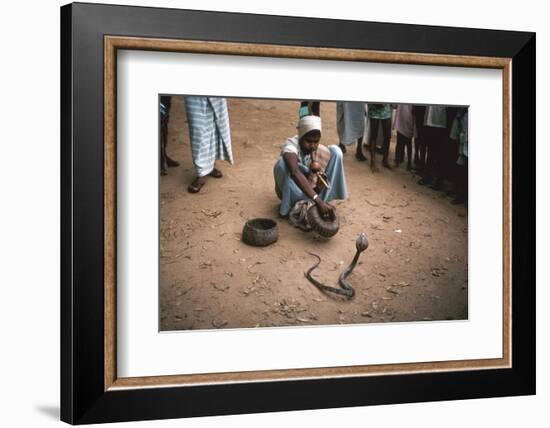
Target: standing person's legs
[(416, 153), (203, 132), (428, 170), (420, 140), (386, 133), (465, 182), (359, 151), (423, 154), (462, 184), (440, 149), (167, 101), (451, 168), (340, 125), (399, 148), (310, 108), (408, 144), (372, 142), (163, 142), (165, 160), (316, 108), (350, 124)]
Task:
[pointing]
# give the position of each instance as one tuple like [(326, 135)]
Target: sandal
[(196, 185)]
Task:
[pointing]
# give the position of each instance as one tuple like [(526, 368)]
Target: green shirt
[(379, 111)]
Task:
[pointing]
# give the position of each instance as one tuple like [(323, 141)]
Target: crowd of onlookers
[(432, 139)]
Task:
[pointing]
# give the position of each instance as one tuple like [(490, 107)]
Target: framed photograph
[(267, 213)]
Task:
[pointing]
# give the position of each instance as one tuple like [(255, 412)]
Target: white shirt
[(292, 145)]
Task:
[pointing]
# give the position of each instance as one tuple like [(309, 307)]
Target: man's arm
[(291, 161)]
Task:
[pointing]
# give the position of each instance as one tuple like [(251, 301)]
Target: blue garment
[(288, 191), (350, 121)]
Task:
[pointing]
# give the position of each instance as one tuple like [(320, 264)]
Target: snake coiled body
[(346, 289)]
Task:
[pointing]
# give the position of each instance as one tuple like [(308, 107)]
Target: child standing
[(406, 130)]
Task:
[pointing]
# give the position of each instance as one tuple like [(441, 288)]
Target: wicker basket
[(260, 232)]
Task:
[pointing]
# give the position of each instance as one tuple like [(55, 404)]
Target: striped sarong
[(209, 132)]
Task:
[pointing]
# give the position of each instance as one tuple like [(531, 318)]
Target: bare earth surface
[(415, 268)]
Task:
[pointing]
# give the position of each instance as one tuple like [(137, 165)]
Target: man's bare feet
[(373, 167), (386, 164), (342, 147), (196, 185)]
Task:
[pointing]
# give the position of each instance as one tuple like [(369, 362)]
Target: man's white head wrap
[(308, 123)]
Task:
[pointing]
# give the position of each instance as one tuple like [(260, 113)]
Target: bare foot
[(216, 173), (360, 156), (374, 168)]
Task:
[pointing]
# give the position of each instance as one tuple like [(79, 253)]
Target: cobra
[(346, 289)]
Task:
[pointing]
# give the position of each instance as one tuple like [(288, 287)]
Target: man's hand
[(326, 210)]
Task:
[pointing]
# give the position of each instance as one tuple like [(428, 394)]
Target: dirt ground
[(415, 268)]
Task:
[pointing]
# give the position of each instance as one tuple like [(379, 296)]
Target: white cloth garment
[(436, 116), (308, 123), (404, 122), (350, 121)]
